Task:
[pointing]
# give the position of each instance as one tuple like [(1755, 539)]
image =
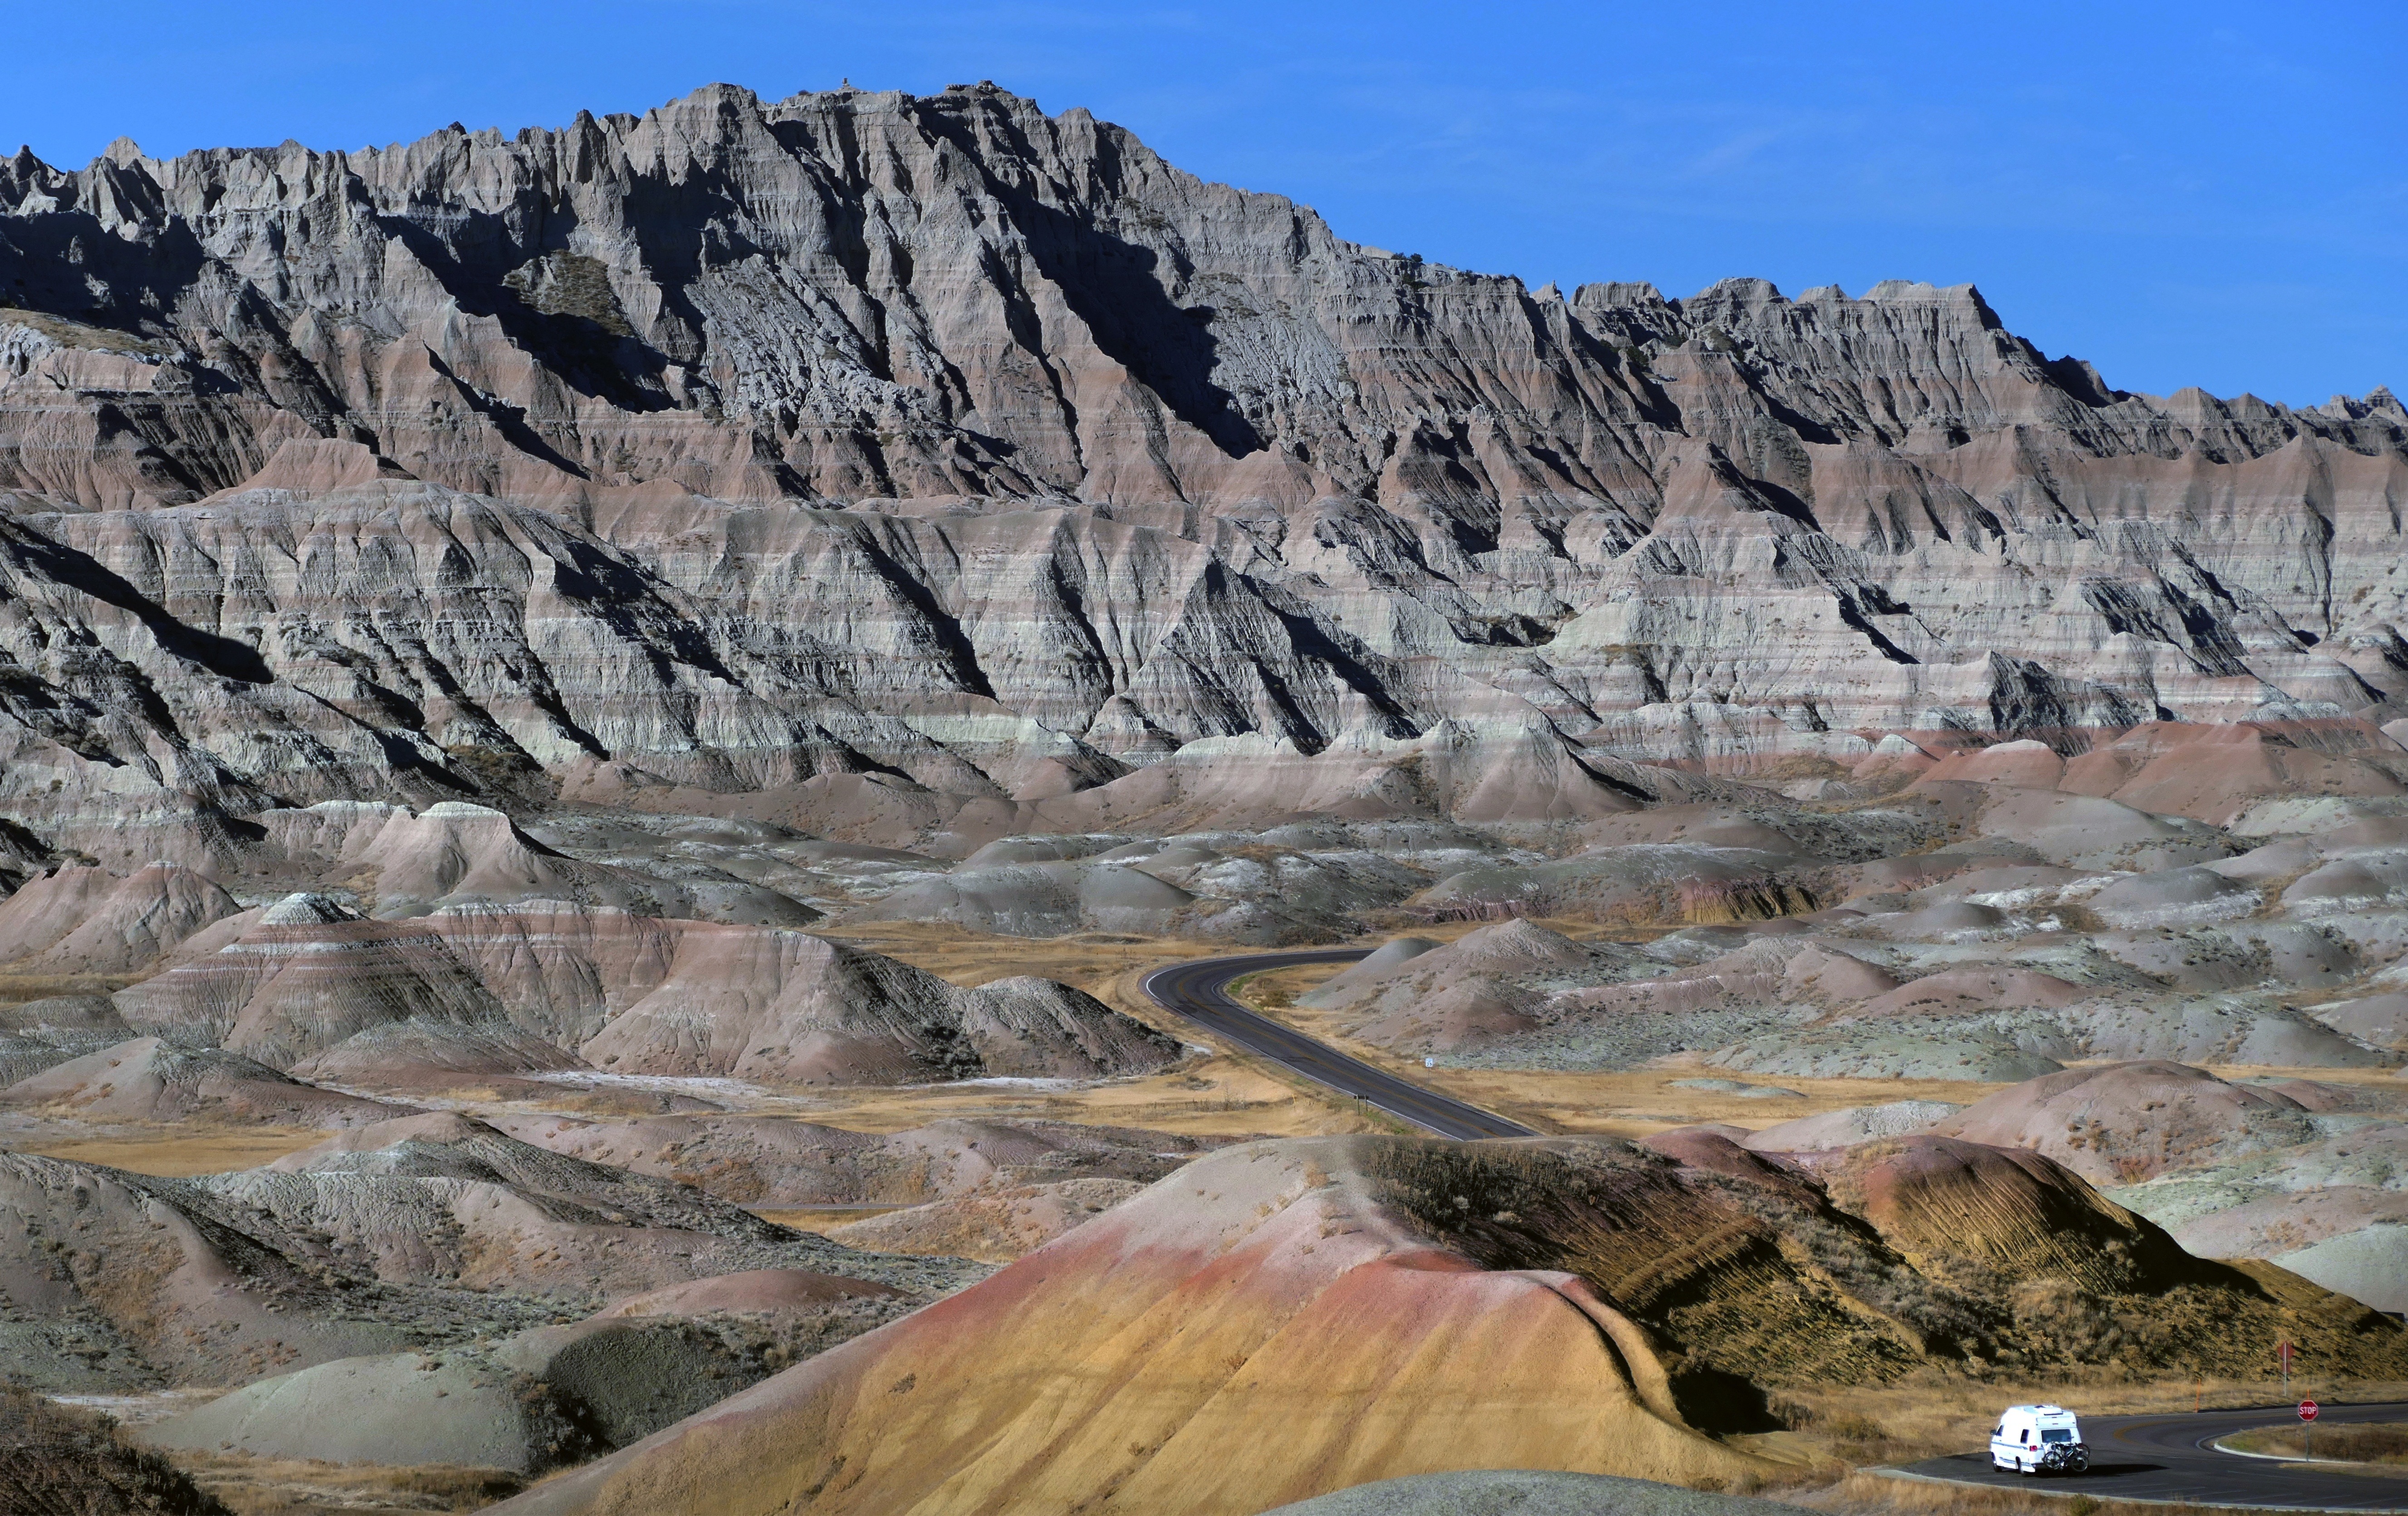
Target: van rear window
[(2056, 1434)]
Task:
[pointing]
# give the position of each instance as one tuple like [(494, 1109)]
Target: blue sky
[(2205, 193)]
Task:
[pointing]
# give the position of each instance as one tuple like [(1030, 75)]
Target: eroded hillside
[(977, 450)]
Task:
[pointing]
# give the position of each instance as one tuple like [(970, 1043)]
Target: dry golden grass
[(1873, 1494), (1218, 1096), (2367, 1442), (965, 957), (1089, 959), (1231, 1094), (1632, 1103), (1578, 931), (16, 989), (178, 1151), (1225, 1094), (1638, 1102), (820, 1218), (2383, 1080), (58, 1461), (296, 1487), (1236, 1093)]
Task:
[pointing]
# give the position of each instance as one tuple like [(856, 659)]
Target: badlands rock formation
[(548, 1395), (1351, 1309), (83, 920), (909, 455), (775, 1162), (1955, 929), (418, 1232), (993, 1224), (482, 621), (309, 985), (2310, 1175), (148, 1080)]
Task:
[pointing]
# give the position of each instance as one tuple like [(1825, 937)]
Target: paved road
[(2167, 1458), (2157, 1458), (1199, 990)]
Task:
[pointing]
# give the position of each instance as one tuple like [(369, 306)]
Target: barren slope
[(929, 462), (1357, 1308)]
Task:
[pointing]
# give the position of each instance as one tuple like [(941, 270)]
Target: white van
[(2038, 1439)]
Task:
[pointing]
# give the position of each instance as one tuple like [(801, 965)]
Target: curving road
[(2155, 1459), (2167, 1458), (1199, 989)]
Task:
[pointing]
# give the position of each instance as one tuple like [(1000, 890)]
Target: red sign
[(2307, 1410)]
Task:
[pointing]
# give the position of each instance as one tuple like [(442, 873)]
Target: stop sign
[(2307, 1410)]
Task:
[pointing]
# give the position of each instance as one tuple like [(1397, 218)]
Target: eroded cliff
[(946, 444)]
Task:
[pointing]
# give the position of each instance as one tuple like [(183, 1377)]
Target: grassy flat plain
[(180, 1150)]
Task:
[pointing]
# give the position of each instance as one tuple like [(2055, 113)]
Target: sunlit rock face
[(980, 452)]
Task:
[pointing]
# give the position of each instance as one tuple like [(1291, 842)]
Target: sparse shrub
[(459, 1489), (1855, 1426), (56, 1460), (2382, 1443), (571, 284), (1794, 1414)]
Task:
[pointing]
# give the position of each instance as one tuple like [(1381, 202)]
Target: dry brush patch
[(820, 1219), (962, 956), (298, 1487), (174, 1151), (1221, 1096), (59, 1461), (1873, 1494), (21, 989), (1619, 1103), (2375, 1442), (1231, 1093), (1757, 1284)]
